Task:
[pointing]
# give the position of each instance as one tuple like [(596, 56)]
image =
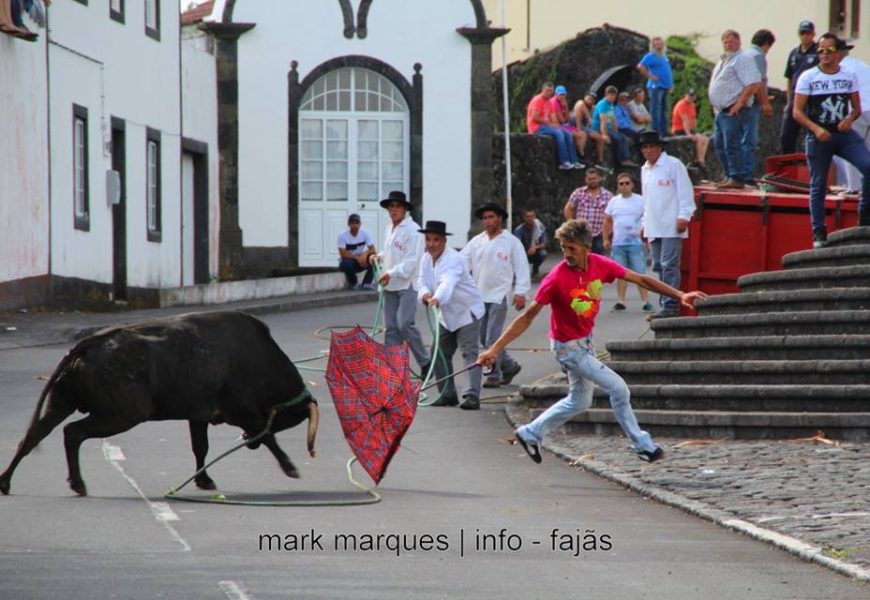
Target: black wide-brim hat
[(439, 227), (650, 136), (491, 207), (395, 197)]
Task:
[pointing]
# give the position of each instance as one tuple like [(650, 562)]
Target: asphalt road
[(462, 516)]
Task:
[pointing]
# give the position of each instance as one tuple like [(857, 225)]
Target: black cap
[(806, 26), (395, 196), (439, 227), (491, 207), (354, 218)]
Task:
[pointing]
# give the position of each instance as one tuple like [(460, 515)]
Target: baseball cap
[(806, 26), (690, 91), (561, 91), (354, 218), (844, 44)]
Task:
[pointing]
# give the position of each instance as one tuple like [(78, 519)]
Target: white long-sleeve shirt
[(403, 249), (449, 282), (668, 195), (495, 262)]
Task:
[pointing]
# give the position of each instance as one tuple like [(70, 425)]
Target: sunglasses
[(623, 183), (827, 50)]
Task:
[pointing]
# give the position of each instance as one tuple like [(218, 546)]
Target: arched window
[(353, 150)]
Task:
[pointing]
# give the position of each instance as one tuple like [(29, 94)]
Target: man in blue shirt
[(656, 68), (604, 122)]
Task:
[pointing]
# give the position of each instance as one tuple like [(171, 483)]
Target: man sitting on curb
[(573, 291), (446, 284), (355, 248), (495, 259)]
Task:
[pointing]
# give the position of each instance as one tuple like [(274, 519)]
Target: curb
[(791, 545)]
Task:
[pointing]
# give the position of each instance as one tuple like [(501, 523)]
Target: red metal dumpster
[(738, 232)]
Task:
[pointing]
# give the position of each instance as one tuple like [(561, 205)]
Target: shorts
[(630, 256)]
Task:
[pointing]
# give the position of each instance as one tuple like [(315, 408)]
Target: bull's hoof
[(78, 487), (205, 483), (292, 473), (4, 485)]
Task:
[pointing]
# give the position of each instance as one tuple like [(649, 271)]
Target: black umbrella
[(618, 76)]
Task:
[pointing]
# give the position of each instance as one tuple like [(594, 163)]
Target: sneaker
[(566, 165), (531, 448), (508, 373), (578, 165), (820, 238), (369, 287), (604, 169), (492, 382), (647, 307), (651, 457), (470, 402), (629, 164), (619, 306), (665, 313)]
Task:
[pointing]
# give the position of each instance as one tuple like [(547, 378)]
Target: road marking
[(160, 510), (234, 591)]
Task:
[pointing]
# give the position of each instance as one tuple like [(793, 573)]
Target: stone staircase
[(787, 357)]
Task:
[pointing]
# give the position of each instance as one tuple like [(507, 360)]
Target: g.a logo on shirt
[(664, 183), (502, 256), (398, 245)]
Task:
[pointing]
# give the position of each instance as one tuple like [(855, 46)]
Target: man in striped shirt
[(588, 203)]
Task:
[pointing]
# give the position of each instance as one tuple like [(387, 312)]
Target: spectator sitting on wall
[(563, 117), (623, 118), (640, 118), (11, 23), (583, 119), (588, 203), (540, 121), (685, 122), (533, 235), (355, 248), (604, 121)]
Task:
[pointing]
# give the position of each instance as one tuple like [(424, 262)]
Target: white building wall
[(24, 157), (115, 70), (400, 34), (199, 115)]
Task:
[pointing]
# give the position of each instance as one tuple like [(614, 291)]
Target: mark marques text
[(573, 542)]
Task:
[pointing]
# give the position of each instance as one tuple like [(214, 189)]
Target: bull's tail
[(313, 420)]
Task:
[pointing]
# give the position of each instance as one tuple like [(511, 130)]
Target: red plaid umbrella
[(374, 396)]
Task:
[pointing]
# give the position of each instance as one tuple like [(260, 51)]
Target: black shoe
[(424, 370), (820, 238), (619, 306), (470, 402), (651, 457), (446, 401), (492, 382), (507, 375), (531, 448)]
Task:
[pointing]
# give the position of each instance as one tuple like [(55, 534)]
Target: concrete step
[(850, 236), (856, 298), (835, 322), (833, 256), (737, 425), (789, 347), (722, 398), (808, 278), (747, 372)]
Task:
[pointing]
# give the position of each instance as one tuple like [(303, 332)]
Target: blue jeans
[(491, 326), (728, 135), (666, 262), (536, 259), (621, 145), (350, 268), (400, 308), (565, 149), (577, 359), (749, 142), (658, 109), (847, 145)]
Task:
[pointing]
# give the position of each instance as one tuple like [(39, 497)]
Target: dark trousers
[(847, 145), (788, 135), (537, 259), (351, 267)]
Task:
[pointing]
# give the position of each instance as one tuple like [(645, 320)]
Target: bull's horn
[(313, 419)]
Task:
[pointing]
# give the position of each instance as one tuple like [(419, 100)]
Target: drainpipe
[(507, 129)]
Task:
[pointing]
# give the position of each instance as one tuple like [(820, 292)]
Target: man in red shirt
[(684, 121), (573, 291), (541, 121)]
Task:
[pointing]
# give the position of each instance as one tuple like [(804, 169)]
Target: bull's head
[(291, 416)]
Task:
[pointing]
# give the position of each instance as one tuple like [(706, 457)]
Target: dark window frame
[(117, 15), (152, 32), (155, 234), (81, 222)]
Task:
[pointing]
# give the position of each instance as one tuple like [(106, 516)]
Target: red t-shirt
[(575, 296), (543, 106), (684, 108)]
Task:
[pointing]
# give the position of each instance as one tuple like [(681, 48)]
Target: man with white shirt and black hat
[(400, 265), (446, 284), (495, 259)]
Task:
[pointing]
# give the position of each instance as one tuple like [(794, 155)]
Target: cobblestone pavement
[(815, 492)]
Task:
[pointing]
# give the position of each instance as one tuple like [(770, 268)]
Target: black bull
[(221, 367)]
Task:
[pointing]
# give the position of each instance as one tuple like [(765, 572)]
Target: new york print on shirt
[(828, 95)]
